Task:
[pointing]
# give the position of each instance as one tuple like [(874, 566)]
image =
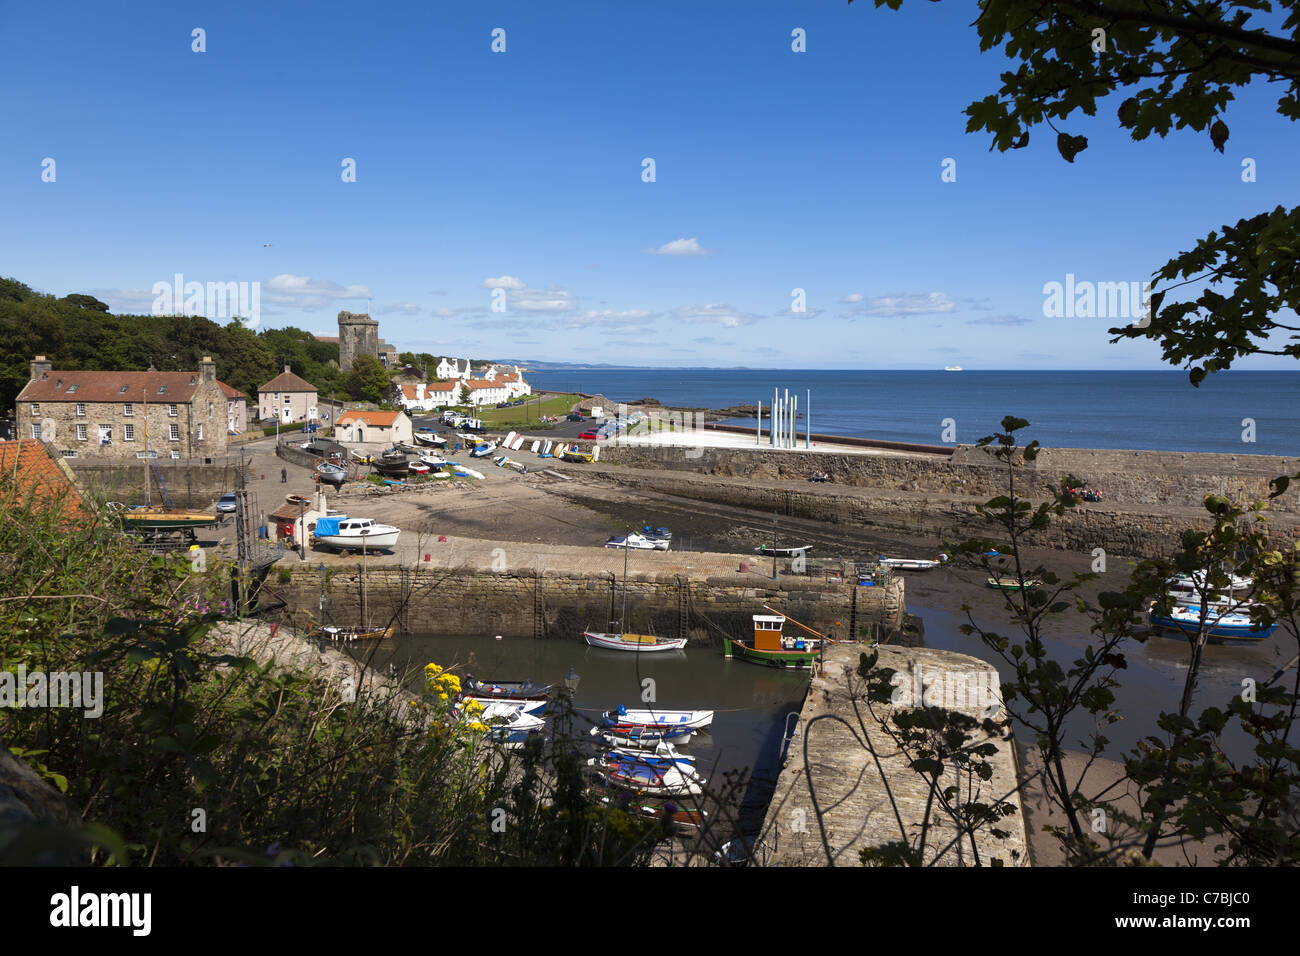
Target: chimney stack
[(208, 369), (41, 367)]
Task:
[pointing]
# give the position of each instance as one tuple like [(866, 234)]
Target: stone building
[(358, 335), (236, 409), (287, 397), (373, 428), (89, 414)]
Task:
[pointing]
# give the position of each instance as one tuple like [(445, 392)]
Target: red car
[(589, 433)]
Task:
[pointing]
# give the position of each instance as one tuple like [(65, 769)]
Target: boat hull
[(352, 632), (385, 540), (792, 660), (1218, 627), (167, 519), (615, 642)]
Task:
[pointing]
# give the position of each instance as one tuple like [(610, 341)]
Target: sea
[(1234, 412)]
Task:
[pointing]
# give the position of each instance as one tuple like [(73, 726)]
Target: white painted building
[(453, 368), (425, 397), (373, 427)]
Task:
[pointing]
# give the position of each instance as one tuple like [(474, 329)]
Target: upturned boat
[(1220, 624), (771, 646), (355, 534)]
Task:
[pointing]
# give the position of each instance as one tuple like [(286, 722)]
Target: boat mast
[(622, 623)]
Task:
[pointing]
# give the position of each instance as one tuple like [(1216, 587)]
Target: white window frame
[(171, 411), (106, 432), (36, 432), (175, 432), (128, 432), (199, 436), (128, 410), (175, 454), (81, 409), (81, 432)]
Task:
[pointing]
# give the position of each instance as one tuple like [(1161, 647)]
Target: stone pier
[(834, 797)]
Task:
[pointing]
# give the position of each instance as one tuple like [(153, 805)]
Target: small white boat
[(909, 564), (494, 707), (463, 472), (636, 643), (355, 534), (649, 778), (952, 368), (1220, 624), (663, 751), (431, 440), (694, 719), (418, 468), (1194, 589), (637, 542), (433, 461), (483, 450)]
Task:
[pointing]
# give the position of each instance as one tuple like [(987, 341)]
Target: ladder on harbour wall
[(539, 609), (683, 607)]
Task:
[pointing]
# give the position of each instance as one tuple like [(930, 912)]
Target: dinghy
[(636, 643), (909, 564), (694, 719), (636, 542), (782, 552), (640, 736), (644, 778)]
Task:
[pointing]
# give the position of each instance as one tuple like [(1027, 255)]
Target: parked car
[(226, 504), (590, 433), (575, 417)]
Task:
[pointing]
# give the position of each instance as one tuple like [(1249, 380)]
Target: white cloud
[(503, 282), (306, 293), (853, 297), (718, 312), (680, 247), (537, 300), (610, 319), (901, 304), (792, 314), (405, 308)]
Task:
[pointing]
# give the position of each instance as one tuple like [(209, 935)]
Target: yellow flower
[(432, 669), (442, 696), (475, 725), (472, 707)]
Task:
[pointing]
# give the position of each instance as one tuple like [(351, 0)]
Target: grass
[(522, 415)]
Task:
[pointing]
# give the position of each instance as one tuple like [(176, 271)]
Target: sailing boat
[(615, 640), (150, 520), (355, 632)]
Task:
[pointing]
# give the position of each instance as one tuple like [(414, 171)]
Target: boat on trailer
[(355, 534), (770, 645), (638, 542)]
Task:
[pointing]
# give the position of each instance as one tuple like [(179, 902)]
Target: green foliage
[(77, 332), (368, 381)]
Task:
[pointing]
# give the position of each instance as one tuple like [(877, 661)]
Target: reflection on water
[(750, 702)]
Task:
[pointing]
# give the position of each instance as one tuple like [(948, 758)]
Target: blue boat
[(1220, 624)]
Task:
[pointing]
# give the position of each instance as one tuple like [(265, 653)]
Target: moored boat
[(772, 647), (1195, 589), (354, 632), (909, 564), (682, 816), (636, 542), (505, 689), (641, 735), (1013, 584), (644, 778), (636, 643), (693, 719), (768, 550), (1220, 624)]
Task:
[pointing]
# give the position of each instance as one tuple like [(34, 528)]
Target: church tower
[(358, 335)]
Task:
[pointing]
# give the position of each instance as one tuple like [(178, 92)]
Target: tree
[(1180, 62), (86, 302), (464, 395), (368, 380)]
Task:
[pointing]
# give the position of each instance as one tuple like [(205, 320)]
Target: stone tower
[(358, 335)]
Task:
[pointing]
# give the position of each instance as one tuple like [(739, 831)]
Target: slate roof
[(87, 386)]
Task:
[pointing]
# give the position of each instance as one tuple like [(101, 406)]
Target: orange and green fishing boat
[(774, 648)]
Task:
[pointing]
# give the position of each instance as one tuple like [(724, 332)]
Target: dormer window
[(161, 389), (122, 390), (72, 388)]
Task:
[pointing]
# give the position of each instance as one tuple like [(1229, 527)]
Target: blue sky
[(522, 171)]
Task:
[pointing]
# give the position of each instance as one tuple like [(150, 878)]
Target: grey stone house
[(118, 415)]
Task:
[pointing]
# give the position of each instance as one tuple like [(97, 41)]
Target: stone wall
[(1123, 477), (459, 601), (120, 481), (938, 517)]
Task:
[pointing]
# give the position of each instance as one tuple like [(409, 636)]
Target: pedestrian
[(284, 475)]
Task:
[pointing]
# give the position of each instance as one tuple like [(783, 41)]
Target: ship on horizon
[(952, 368)]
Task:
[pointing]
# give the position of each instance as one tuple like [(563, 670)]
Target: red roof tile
[(29, 473), (83, 386), (380, 419), (286, 381)]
